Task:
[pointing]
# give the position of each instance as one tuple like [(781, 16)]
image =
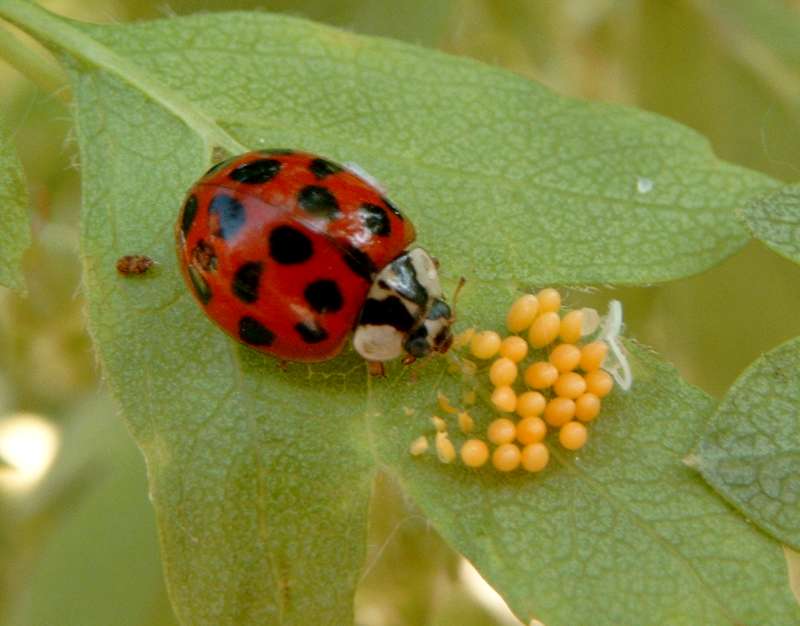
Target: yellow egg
[(503, 372), (549, 300), (514, 348), (522, 313), (531, 430), (592, 355), (501, 430), (474, 453), (559, 411), (572, 435), (504, 399), (571, 327), (535, 457), (570, 385), (485, 344), (540, 375), (506, 457), (530, 404), (544, 329), (587, 407), (565, 357), (599, 382)]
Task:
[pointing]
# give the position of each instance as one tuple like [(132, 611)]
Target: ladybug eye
[(417, 347)]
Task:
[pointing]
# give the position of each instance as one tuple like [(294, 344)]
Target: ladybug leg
[(375, 368), (283, 364)]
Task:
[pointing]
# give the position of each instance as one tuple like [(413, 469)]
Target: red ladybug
[(288, 252)]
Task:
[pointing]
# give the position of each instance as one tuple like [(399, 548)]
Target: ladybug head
[(405, 312), (432, 334)]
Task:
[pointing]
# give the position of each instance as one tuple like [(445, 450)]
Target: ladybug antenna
[(456, 293)]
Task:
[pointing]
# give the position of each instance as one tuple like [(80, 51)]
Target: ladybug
[(289, 252)]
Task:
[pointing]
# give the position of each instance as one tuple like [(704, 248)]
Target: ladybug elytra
[(288, 253)]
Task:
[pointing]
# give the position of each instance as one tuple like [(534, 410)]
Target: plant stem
[(61, 33), (33, 65)]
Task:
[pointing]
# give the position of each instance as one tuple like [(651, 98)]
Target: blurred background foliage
[(78, 545)]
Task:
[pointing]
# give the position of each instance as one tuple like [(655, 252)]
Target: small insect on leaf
[(134, 264)]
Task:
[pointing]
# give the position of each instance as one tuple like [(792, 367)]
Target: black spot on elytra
[(246, 281), (310, 332), (375, 219), (323, 296), (359, 261), (254, 332), (322, 168), (438, 310), (256, 172), (231, 215), (392, 207), (189, 213), (204, 256), (387, 312), (318, 201), (289, 246), (201, 288), (407, 284)]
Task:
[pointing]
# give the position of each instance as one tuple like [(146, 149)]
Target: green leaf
[(15, 230), (261, 475), (606, 194), (621, 533), (751, 451), (775, 220)]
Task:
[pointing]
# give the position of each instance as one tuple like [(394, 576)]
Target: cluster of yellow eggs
[(562, 388)]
